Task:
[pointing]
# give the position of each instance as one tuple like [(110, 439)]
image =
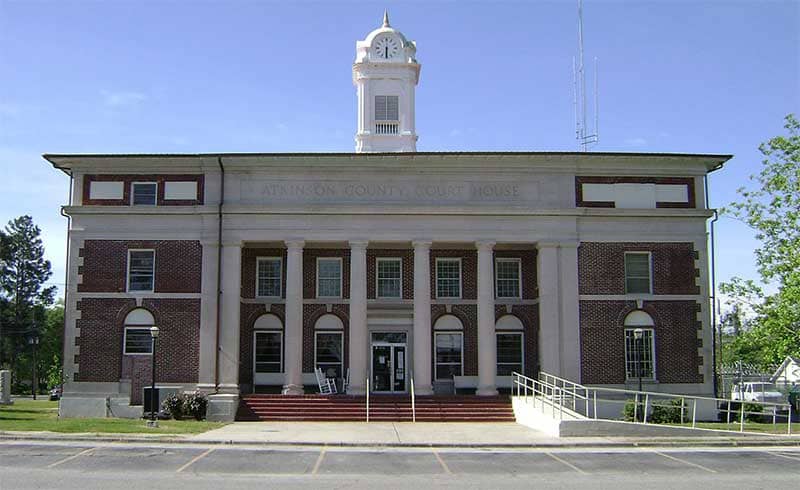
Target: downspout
[(219, 272), (713, 293), (66, 288)]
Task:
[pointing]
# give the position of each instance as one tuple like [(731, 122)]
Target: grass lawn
[(42, 415), (751, 427)]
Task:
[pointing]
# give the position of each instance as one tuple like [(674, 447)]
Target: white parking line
[(685, 462), (319, 461), (566, 463), (195, 459), (441, 462), (783, 455), (70, 458)]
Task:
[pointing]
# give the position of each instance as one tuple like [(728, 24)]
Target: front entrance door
[(388, 367)]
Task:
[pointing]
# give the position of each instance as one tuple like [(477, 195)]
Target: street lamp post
[(153, 422), (33, 340), (637, 336)]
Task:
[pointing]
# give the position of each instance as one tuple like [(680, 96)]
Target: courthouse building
[(386, 264)]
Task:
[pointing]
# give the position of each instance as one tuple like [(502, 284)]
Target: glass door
[(399, 372), (388, 368)]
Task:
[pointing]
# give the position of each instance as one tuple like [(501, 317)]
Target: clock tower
[(386, 74)]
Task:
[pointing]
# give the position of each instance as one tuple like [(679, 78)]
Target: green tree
[(772, 209)]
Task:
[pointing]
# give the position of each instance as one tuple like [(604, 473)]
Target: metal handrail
[(368, 399), (413, 404)]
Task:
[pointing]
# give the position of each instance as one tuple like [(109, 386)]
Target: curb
[(714, 443)]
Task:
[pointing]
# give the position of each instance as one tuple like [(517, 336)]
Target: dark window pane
[(138, 341), (144, 194), (140, 270), (268, 352)]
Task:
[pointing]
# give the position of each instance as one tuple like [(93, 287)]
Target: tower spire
[(386, 18)]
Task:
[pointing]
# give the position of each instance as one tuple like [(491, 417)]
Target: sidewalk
[(403, 434)]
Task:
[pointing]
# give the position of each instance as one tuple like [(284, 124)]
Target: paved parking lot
[(86, 466)]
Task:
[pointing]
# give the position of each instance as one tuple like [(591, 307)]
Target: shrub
[(186, 405), (173, 405), (667, 412)]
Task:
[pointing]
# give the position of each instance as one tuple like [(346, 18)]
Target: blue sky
[(248, 76)]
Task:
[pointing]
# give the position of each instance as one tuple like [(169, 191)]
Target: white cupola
[(386, 74)]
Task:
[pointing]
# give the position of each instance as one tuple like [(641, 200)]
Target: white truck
[(756, 391)]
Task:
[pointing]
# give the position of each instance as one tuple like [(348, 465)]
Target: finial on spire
[(386, 18)]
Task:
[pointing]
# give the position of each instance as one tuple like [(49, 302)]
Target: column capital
[(487, 245), (422, 243), (358, 243), (295, 243)]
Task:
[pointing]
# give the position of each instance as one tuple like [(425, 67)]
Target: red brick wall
[(312, 313), (407, 273), (248, 314), (530, 282), (469, 271), (310, 256), (601, 267), (468, 314), (249, 256), (529, 316), (101, 339), (676, 342), (126, 188), (178, 265), (688, 181)]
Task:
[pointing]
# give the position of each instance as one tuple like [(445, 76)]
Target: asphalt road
[(27, 465)]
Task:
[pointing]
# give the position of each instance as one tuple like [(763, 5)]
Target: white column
[(422, 318), (228, 359), (358, 317), (549, 338), (208, 316), (570, 366), (487, 342), (293, 328)]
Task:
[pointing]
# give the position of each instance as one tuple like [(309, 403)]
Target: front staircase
[(382, 408)]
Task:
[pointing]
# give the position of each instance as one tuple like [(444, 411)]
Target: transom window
[(329, 277), (449, 358), (448, 278), (509, 353), (329, 353), (507, 278), (637, 272), (141, 270), (144, 193), (639, 358), (389, 282), (386, 108), (268, 277), (138, 341), (268, 351)]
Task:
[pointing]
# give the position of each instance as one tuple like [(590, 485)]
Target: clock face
[(386, 47)]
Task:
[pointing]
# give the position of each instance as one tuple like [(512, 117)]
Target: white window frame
[(375, 108), (378, 260), (521, 335), (128, 272), (125, 341), (652, 351), (519, 277), (280, 277), (255, 334), (435, 353), (133, 187), (649, 270), (460, 277), (340, 333), (341, 274)]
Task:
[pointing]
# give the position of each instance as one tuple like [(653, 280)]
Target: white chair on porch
[(326, 387)]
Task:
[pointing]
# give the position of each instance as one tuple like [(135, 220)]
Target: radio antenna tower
[(583, 134)]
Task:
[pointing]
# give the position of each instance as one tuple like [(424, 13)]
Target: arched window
[(329, 345), (449, 345), (138, 340), (640, 359), (267, 346), (510, 336)]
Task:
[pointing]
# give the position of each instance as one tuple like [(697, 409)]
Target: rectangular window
[(268, 352), (143, 193), (448, 278), (328, 353), (509, 353), (449, 349), (268, 277), (386, 108), (639, 354), (389, 281), (141, 270), (637, 272), (138, 341), (507, 278), (329, 278)]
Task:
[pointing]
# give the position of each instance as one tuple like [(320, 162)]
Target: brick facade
[(310, 256), (178, 265), (530, 282), (468, 314), (469, 271), (249, 256), (248, 314), (601, 267), (529, 316), (312, 313), (127, 179), (676, 340), (407, 270)]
